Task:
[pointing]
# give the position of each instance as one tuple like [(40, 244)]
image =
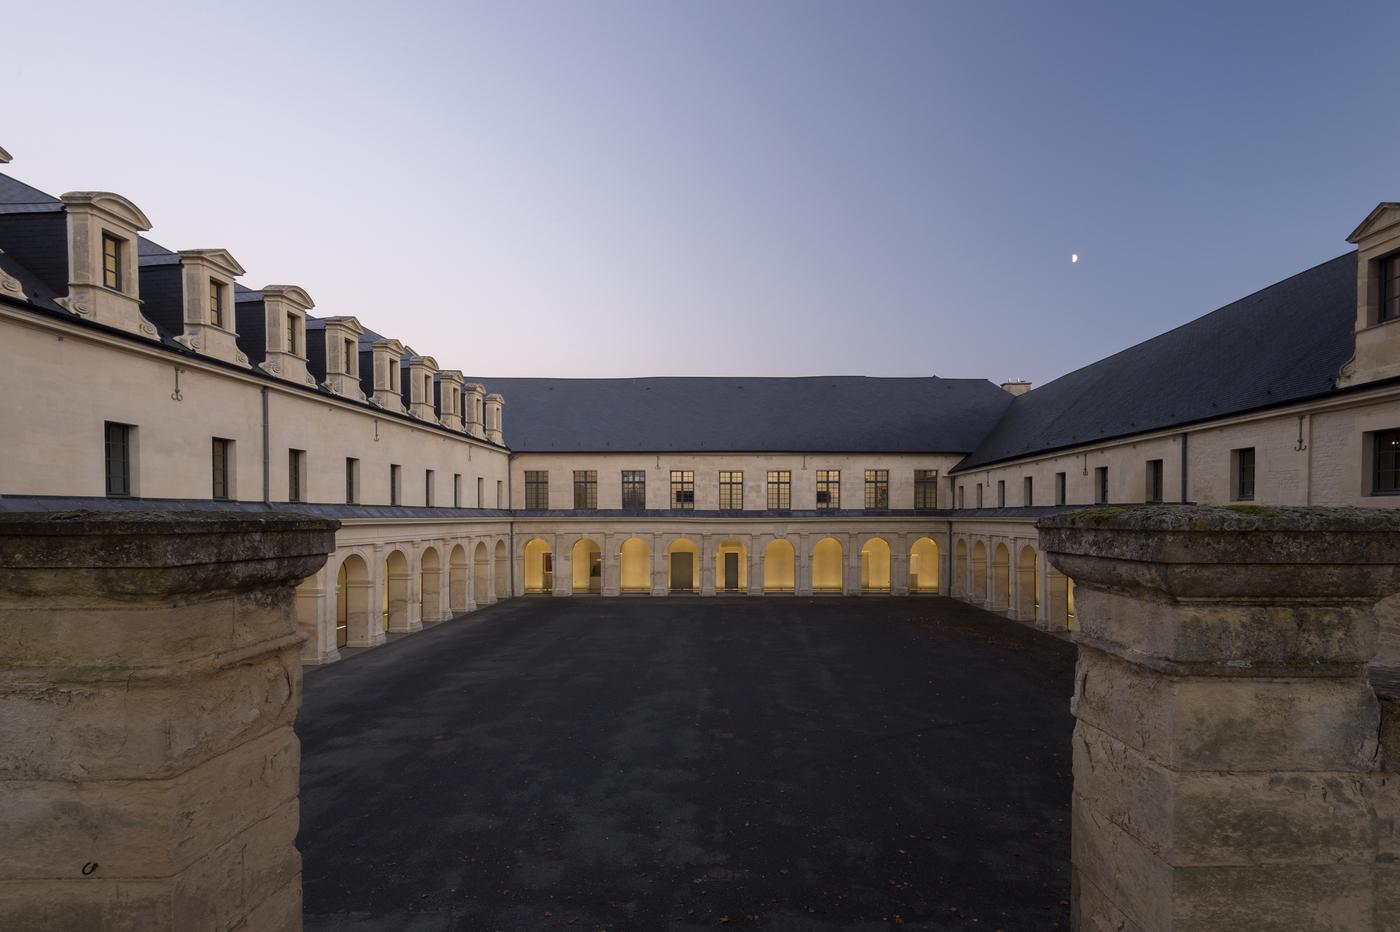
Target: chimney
[(1016, 386)]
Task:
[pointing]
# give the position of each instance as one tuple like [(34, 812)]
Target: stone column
[(707, 564), (899, 564), (316, 619), (152, 675), (754, 552), (1226, 765), (659, 566), (850, 584), (803, 583), (612, 564)]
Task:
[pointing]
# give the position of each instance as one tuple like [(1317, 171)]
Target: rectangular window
[(586, 489), (349, 367), (979, 495), (1242, 468), (428, 488), (1390, 287), (537, 489), (1154, 480), (683, 489), (292, 341), (1027, 492), (877, 489), (222, 453), (480, 492), (1101, 485), (395, 486), (217, 290), (1059, 488), (925, 488), (500, 494), (1385, 460), (962, 496), (296, 475), (352, 480), (634, 489), (828, 489), (779, 490), (393, 374), (113, 249), (118, 452), (456, 490), (731, 490), (1001, 493)]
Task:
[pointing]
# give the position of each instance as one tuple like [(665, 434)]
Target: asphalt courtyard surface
[(678, 763)]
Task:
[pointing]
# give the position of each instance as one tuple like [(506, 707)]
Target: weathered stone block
[(1218, 723)]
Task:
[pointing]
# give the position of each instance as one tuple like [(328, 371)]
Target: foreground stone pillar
[(1226, 765), (151, 674)]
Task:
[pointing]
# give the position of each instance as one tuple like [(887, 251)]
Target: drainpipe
[(510, 524), (267, 467)]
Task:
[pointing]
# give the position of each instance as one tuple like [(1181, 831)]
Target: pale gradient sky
[(717, 188)]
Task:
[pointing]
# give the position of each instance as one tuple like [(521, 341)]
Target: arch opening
[(683, 557), (732, 567), (430, 586), (352, 596), (634, 563), (1001, 578), (828, 565), (875, 566), (1027, 585), (481, 575), (502, 580), (923, 565), (979, 572), (779, 567), (397, 584), (586, 566), (457, 581), (539, 566)]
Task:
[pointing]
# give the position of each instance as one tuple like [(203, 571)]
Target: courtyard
[(692, 764)]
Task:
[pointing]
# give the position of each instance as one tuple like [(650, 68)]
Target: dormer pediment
[(345, 321), (428, 361), (220, 259), (391, 346), (1385, 216), (294, 295), (4, 156), (114, 206)]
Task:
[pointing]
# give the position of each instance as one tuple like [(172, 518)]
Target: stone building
[(140, 376)]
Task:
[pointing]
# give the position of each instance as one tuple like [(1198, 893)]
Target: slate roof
[(1282, 344), (818, 414), (18, 197)]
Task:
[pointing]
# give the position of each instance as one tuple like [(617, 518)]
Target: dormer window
[(292, 341), (1390, 287), (112, 249), (217, 292)]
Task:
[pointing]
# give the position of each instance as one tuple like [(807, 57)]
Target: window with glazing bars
[(877, 488), (1390, 287), (925, 488), (292, 341), (296, 460), (216, 302), (221, 450), (634, 489), (1154, 480), (731, 490), (828, 489), (118, 451), (112, 249), (537, 489), (779, 490), (1244, 472), (1385, 471), (683, 489), (586, 489)]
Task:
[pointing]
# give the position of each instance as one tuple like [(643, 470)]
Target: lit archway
[(960, 568), (684, 559), (457, 580), (923, 565), (875, 566), (634, 563), (1027, 585), (731, 567), (502, 570), (539, 566), (352, 596), (828, 566), (979, 572), (1058, 607), (1069, 604), (586, 563), (481, 575), (1001, 578), (430, 586), (397, 583), (779, 567)]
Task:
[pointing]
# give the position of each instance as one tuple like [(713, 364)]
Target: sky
[(727, 188)]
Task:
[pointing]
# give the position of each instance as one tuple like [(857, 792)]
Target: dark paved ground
[(648, 764)]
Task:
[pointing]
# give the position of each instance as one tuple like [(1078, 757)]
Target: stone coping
[(1244, 551), (88, 555)]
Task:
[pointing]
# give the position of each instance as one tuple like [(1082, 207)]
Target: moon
[(1073, 258)]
